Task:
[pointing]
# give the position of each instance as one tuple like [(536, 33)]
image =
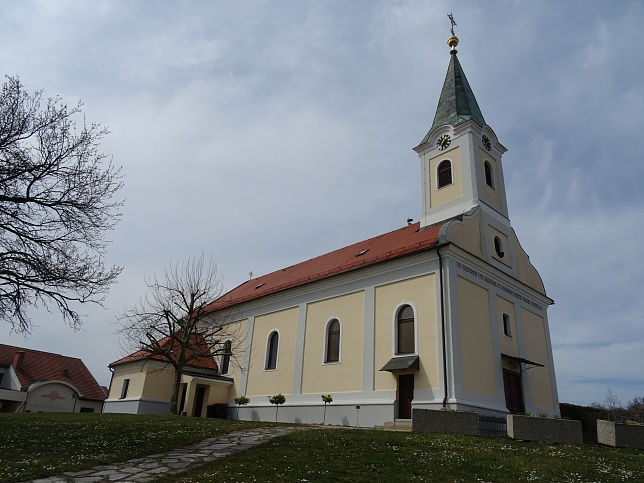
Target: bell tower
[(460, 157)]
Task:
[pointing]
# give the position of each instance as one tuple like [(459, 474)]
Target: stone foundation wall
[(620, 435), (456, 422), (529, 428), (338, 414)]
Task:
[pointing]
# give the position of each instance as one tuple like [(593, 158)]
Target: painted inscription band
[(499, 285)]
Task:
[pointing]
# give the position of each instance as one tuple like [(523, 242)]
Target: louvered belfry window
[(489, 178), (444, 173)]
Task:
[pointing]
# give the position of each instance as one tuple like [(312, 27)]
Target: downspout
[(24, 403), (440, 268), (109, 388)]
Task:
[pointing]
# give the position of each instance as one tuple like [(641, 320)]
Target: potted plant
[(327, 400), (277, 399), (241, 401)]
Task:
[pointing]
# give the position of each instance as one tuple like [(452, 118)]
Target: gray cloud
[(266, 133)]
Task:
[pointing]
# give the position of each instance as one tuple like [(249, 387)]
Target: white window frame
[(326, 341), (221, 360), (394, 327), (451, 167), (507, 334), (267, 350), (496, 252), (493, 184), (125, 388)]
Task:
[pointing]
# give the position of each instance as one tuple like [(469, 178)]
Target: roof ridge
[(42, 352), (382, 235), (145, 354), (40, 366), (376, 249)]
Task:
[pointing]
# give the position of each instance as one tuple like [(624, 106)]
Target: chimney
[(17, 359)]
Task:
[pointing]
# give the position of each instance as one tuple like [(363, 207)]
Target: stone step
[(398, 425)]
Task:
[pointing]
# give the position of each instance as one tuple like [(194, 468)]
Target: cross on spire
[(453, 22)]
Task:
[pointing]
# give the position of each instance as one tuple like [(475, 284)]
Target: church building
[(445, 313)]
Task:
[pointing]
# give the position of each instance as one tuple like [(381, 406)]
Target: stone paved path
[(149, 467)]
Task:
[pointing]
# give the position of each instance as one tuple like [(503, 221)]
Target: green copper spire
[(457, 103)]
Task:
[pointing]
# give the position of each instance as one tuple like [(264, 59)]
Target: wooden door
[(513, 392), (182, 403), (405, 395), (199, 395)]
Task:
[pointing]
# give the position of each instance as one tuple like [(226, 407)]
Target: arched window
[(444, 173), (271, 351), (405, 331), (225, 357), (489, 178), (507, 326), (333, 341)]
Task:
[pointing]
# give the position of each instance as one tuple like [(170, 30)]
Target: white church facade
[(445, 313)]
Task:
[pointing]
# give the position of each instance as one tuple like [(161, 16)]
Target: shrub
[(277, 399), (588, 417), (327, 400), (241, 401)]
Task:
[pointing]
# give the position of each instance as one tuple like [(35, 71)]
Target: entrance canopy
[(525, 364), (402, 364)]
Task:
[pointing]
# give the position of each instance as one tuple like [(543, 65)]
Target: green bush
[(277, 399), (588, 417), (328, 399), (241, 401)]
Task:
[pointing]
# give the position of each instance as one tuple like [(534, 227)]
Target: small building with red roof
[(37, 381), (445, 313), (142, 383)]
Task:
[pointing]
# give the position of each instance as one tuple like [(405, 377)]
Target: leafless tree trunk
[(172, 323), (56, 204)]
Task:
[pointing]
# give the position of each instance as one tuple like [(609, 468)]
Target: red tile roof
[(202, 362), (38, 366), (388, 246)]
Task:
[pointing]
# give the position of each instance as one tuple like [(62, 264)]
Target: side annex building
[(444, 313)]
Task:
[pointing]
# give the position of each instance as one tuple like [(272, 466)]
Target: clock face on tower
[(443, 142), (487, 144)]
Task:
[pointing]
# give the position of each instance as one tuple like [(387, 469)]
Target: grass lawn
[(369, 455), (36, 445)]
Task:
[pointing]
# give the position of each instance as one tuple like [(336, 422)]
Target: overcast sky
[(265, 133)]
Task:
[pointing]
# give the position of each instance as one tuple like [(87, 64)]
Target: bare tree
[(56, 203), (173, 323), (636, 409)]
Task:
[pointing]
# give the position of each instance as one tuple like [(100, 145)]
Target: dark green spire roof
[(457, 103)]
